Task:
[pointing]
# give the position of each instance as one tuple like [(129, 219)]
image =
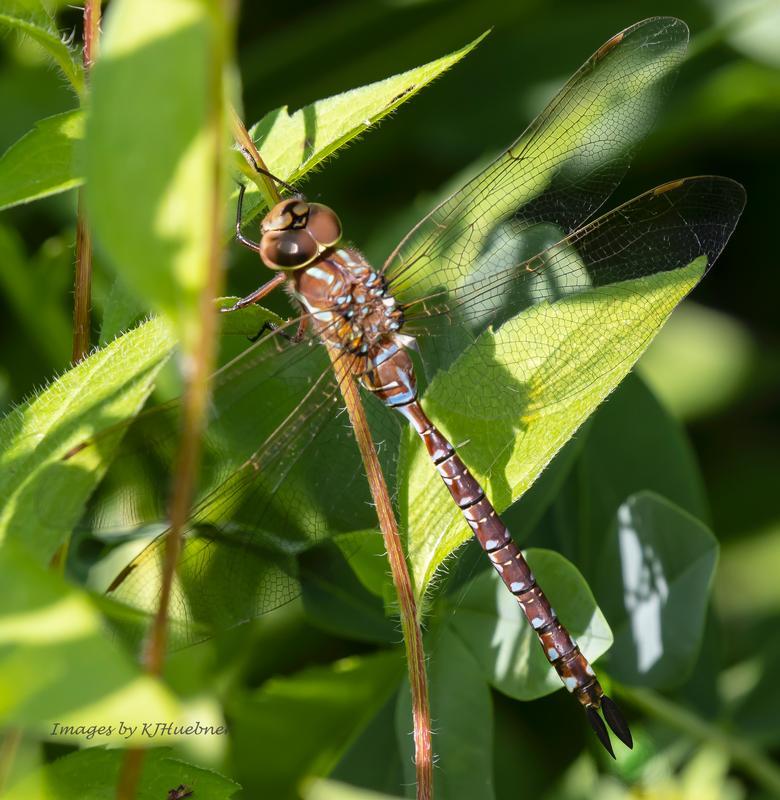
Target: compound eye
[(323, 225), (288, 249), (289, 213)]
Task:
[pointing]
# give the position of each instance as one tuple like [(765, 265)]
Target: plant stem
[(82, 282), (8, 749), (199, 364), (242, 137), (415, 655), (750, 759)]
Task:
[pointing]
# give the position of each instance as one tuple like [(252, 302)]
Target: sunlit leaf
[(57, 665), (43, 162), (293, 144), (43, 494), (150, 157), (506, 449)]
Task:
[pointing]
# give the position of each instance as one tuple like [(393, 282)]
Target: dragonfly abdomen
[(391, 377), (559, 648)]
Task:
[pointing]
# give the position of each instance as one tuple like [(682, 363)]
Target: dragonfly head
[(295, 233)]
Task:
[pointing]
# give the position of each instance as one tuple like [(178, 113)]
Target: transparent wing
[(280, 475), (585, 293), (562, 168)]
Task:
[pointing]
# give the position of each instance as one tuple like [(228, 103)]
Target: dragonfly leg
[(257, 168), (258, 294), (240, 236), (303, 326), (269, 327), (297, 337)]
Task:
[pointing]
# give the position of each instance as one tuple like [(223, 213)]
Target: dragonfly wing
[(558, 173), (585, 294), (281, 474)]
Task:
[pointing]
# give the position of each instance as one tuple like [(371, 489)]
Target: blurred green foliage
[(315, 689)]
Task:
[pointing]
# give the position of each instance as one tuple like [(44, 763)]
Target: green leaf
[(377, 744), (365, 551), (33, 289), (523, 516), (44, 495), (654, 580), (462, 712), (293, 144), (149, 161), (63, 668), (335, 790), (31, 19), (336, 601), (757, 712), (506, 450), (94, 775), (491, 623), (633, 444), (306, 721), (43, 162)]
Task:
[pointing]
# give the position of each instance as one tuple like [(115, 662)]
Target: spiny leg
[(262, 171), (297, 337), (258, 294), (239, 209)]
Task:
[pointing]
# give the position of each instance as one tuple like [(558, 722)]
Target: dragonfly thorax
[(348, 300)]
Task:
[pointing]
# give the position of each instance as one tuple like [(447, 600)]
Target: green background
[(715, 369)]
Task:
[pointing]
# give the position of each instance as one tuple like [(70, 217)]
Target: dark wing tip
[(600, 728), (615, 719)]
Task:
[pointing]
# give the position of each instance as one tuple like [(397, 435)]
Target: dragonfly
[(524, 233)]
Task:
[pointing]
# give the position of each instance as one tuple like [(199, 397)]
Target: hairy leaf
[(506, 449), (293, 144), (29, 17), (43, 494)]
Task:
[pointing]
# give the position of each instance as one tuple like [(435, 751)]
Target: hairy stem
[(415, 655), (243, 139), (82, 282), (199, 365), (742, 753)]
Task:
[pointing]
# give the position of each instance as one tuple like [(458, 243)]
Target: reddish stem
[(410, 625), (199, 366), (82, 283)]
